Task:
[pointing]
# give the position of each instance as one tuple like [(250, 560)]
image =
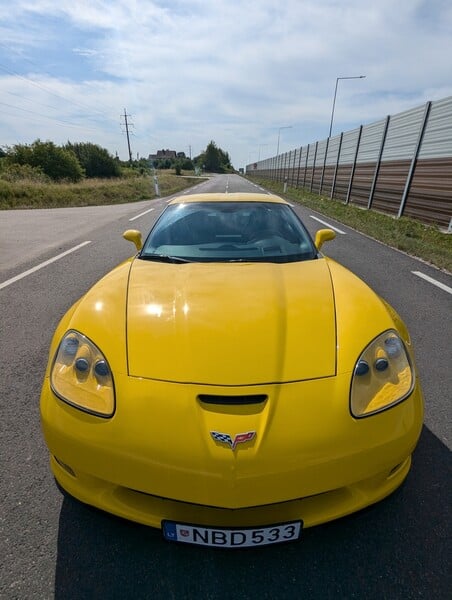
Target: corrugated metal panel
[(362, 182), (282, 159), (317, 178), (311, 155), (304, 152), (348, 149), (328, 178), (321, 149), (342, 182), (287, 160), (429, 198), (390, 185), (333, 149), (437, 141), (370, 143), (295, 157), (403, 134), (290, 169)]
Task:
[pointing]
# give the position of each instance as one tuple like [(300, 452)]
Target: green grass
[(90, 192), (409, 235)]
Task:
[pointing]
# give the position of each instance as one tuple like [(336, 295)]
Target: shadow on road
[(398, 548)]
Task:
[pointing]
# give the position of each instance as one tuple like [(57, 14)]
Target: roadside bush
[(16, 172), (57, 163), (95, 160), (6, 194)]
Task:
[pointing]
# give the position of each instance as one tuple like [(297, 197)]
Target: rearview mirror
[(133, 235), (323, 235)]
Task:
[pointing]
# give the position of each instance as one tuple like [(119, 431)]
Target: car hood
[(231, 323)]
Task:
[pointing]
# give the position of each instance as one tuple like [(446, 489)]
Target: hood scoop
[(233, 400)]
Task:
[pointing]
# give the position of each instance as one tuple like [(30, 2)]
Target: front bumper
[(155, 458), (152, 510)]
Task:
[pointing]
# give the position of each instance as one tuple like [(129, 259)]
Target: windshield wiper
[(165, 258)]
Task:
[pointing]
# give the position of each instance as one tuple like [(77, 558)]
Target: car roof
[(232, 197)]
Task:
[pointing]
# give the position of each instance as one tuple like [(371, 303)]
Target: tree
[(96, 161), (214, 159), (56, 162)]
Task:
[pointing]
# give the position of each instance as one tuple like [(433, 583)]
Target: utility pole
[(126, 123)]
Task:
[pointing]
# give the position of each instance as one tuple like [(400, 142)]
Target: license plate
[(227, 537)]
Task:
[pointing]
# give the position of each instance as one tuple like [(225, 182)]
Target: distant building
[(162, 154)]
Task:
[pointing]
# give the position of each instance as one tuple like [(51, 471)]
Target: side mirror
[(132, 235), (323, 235)]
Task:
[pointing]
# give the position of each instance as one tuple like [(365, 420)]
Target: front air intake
[(232, 400)]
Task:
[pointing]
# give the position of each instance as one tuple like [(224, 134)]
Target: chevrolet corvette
[(229, 383)]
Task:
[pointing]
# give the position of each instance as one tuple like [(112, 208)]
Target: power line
[(51, 92), (65, 123), (23, 58)]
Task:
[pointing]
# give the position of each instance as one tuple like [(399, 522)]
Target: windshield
[(227, 232)]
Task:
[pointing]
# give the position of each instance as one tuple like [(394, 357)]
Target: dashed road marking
[(328, 225), (438, 284), (141, 214), (42, 265)]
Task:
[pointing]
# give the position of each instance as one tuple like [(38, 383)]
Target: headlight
[(81, 376), (382, 376)]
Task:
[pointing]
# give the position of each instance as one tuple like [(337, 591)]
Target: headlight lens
[(382, 376), (81, 376)]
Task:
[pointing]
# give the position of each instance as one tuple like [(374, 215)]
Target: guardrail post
[(414, 160), (299, 164), (292, 178), (324, 165), (352, 174), (337, 166), (288, 167), (306, 166), (377, 166), (313, 166)]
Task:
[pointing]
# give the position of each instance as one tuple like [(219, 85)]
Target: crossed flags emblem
[(240, 438)]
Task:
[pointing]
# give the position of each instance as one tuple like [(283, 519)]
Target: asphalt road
[(51, 546)]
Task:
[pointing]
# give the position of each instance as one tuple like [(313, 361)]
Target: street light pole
[(335, 94), (279, 134)]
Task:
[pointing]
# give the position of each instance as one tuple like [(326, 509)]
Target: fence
[(401, 165)]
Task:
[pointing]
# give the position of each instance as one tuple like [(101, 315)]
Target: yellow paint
[(292, 332)]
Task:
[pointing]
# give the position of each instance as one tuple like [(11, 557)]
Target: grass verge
[(90, 192), (408, 235)]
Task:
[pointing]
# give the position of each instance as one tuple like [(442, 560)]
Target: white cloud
[(233, 71)]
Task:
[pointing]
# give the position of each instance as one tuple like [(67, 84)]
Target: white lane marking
[(141, 214), (328, 225), (41, 265), (442, 286)]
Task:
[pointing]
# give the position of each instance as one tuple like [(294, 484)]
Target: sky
[(243, 73)]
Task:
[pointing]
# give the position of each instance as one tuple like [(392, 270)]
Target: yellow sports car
[(229, 383)]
